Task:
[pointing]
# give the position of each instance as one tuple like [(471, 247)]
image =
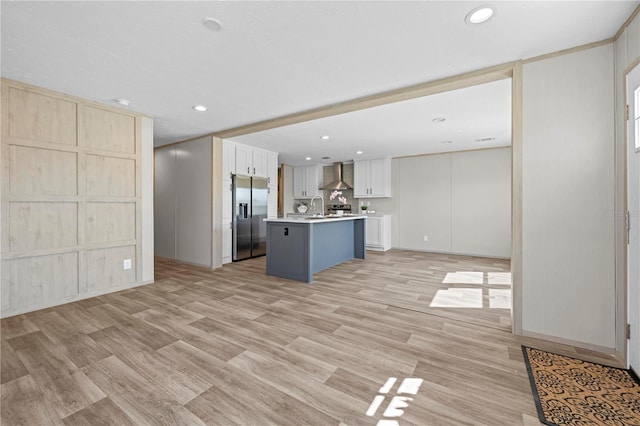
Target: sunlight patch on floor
[(499, 298), (457, 298), (463, 277), (472, 277), (499, 278)]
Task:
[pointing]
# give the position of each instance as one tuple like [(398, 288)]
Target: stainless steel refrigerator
[(249, 209)]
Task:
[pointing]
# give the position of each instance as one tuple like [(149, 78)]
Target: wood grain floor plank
[(10, 365), (23, 403), (16, 326), (138, 398), (248, 333), (311, 393), (181, 385), (82, 320), (63, 385), (239, 398), (83, 350), (102, 413), (210, 343)]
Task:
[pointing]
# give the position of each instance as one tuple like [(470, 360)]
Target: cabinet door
[(259, 163), (313, 179), (244, 160), (227, 194), (380, 178), (272, 168), (361, 179), (228, 159), (226, 241), (374, 231), (272, 202), (299, 181)]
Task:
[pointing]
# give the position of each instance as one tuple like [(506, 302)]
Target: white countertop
[(323, 219)]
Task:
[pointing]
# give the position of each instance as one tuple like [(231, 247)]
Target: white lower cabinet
[(378, 233)]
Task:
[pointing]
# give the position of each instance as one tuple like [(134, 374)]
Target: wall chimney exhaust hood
[(337, 182)]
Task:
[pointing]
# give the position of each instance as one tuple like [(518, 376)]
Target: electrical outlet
[(426, 238), (126, 264)]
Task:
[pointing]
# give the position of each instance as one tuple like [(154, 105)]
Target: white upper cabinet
[(254, 161), (306, 181), (372, 178), (244, 160), (259, 163)]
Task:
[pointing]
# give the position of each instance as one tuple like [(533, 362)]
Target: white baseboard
[(70, 299), (489, 256), (569, 342)]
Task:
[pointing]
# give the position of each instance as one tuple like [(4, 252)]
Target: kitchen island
[(299, 247)]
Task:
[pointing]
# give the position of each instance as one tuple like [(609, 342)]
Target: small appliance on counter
[(336, 208)]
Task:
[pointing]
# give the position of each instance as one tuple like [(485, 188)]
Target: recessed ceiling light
[(200, 108), (308, 158), (324, 138), (358, 152), (447, 141), (212, 24), (438, 119), (122, 101), (479, 15)]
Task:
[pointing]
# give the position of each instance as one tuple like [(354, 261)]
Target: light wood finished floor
[(233, 346)]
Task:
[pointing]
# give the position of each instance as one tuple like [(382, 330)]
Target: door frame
[(622, 316)]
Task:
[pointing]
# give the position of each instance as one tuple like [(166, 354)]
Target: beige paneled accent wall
[(70, 198)]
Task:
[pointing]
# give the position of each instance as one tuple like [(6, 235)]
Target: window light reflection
[(457, 298), (463, 277), (499, 298)]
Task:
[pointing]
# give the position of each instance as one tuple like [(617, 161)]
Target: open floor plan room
[(233, 346)]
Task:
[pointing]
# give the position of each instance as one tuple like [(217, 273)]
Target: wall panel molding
[(71, 199)]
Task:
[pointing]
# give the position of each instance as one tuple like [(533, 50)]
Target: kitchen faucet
[(321, 199)]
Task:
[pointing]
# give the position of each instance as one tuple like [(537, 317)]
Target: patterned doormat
[(568, 391)]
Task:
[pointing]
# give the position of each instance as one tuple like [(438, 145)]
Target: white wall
[(164, 210), (626, 52), (460, 201), (568, 192), (481, 202), (147, 199), (183, 209)]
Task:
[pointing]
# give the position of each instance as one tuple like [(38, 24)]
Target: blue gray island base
[(298, 248)]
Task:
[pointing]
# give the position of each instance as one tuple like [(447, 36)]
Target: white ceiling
[(276, 58), (403, 128)]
